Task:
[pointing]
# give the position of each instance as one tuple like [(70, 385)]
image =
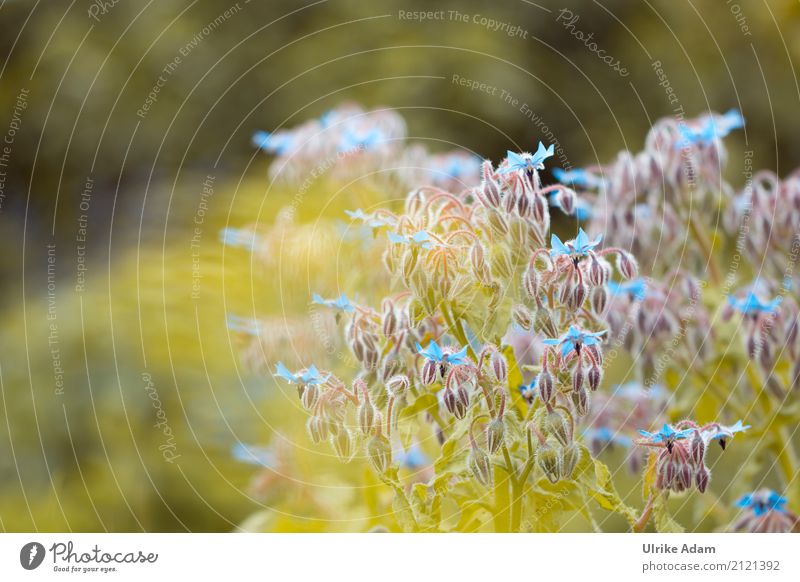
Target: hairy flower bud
[(389, 319), (409, 263), (546, 386), (627, 265), (343, 444), (556, 425), (598, 276), (509, 201), (580, 399), (490, 191), (530, 282), (397, 386), (379, 453), (599, 300), (539, 210), (429, 372), (499, 366), (524, 205), (594, 376), (310, 396), (497, 223), (697, 448), (522, 317), (477, 257), (702, 478), (578, 296), (577, 378), (390, 367), (570, 455), (481, 466), (494, 435), (366, 416), (317, 429), (549, 461), (543, 323)]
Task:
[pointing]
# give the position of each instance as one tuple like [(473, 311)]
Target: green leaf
[(663, 519), (403, 512)]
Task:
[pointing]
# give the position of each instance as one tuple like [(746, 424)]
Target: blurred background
[(127, 147)]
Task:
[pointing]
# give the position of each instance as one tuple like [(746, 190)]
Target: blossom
[(577, 177), (574, 339), (710, 128), (341, 303), (666, 435), (252, 455), (528, 391), (583, 211), (352, 141), (526, 161), (435, 354), (278, 143), (310, 377), (369, 219), (762, 502), (579, 247), (722, 433), (752, 304), (421, 239), (636, 288)]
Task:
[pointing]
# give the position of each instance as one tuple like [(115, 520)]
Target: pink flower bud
[(599, 300), (494, 435), (577, 378), (578, 297), (546, 386), (310, 396), (317, 429), (366, 416), (389, 320), (480, 465), (594, 376), (566, 200), (702, 478), (523, 205), (499, 367), (627, 265), (510, 201), (580, 400), (397, 386), (540, 212), (530, 282), (597, 274), (429, 372)]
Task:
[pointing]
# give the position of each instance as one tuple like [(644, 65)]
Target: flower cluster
[(765, 511)]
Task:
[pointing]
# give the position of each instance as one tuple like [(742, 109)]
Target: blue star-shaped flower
[(413, 458), (274, 143), (528, 391), (666, 435), (710, 128), (434, 353), (342, 303), (761, 502), (311, 377), (420, 239), (728, 432), (752, 304), (527, 162), (636, 288), (252, 455), (580, 247), (573, 339), (577, 177), (352, 141)]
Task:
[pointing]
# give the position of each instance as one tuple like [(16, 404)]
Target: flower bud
[(317, 429), (539, 210), (390, 367), (477, 257), (409, 263), (524, 205), (397, 386), (627, 265), (685, 476), (599, 300), (491, 193), (389, 261), (509, 201), (530, 282), (570, 455), (481, 466), (429, 372), (565, 292), (697, 448), (498, 223), (543, 323), (549, 461), (366, 416), (580, 400), (379, 453), (556, 425), (577, 378), (499, 367), (522, 317), (343, 445), (546, 386), (702, 478), (594, 376), (389, 320), (310, 396), (578, 296), (494, 435), (597, 274)]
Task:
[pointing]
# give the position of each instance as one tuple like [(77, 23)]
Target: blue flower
[(528, 391), (251, 455), (583, 210), (580, 247), (727, 432), (762, 502), (574, 339), (353, 141), (310, 377), (666, 435), (604, 435), (413, 458), (236, 237), (577, 177), (527, 162), (368, 219), (637, 288), (710, 128), (243, 325), (342, 303), (421, 239), (274, 143), (458, 165), (434, 353), (752, 304)]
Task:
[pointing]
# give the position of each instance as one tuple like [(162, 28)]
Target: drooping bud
[(379, 453), (599, 300), (494, 435), (522, 317), (366, 416), (498, 223), (546, 386), (697, 447), (499, 366), (481, 466), (343, 444), (556, 425), (409, 263), (627, 265), (685, 476), (597, 274), (570, 455), (543, 323), (524, 205), (390, 367), (317, 429), (477, 257), (566, 200), (578, 296), (530, 282), (540, 214), (389, 319), (397, 386), (491, 193), (702, 478), (510, 201), (580, 400), (310, 396), (594, 376), (549, 461), (429, 372), (577, 378)]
